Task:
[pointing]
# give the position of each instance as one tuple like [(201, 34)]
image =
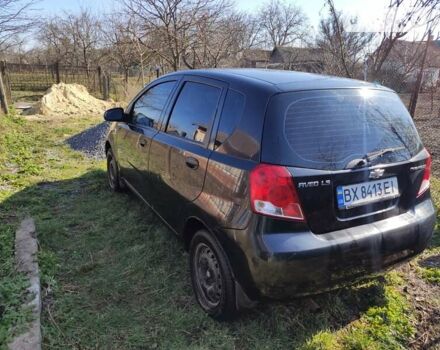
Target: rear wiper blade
[(369, 157), (376, 154)]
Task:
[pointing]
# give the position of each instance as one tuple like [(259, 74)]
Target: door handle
[(142, 142), (191, 162)]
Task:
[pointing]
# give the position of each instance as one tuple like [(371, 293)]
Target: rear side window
[(328, 128), (148, 108), (194, 111), (230, 117)]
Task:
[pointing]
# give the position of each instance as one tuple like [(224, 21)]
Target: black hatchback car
[(280, 183)]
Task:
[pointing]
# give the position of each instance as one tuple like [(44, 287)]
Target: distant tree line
[(187, 34)]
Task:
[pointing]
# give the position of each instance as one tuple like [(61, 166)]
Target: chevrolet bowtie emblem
[(376, 173)]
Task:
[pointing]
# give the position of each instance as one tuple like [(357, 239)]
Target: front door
[(135, 136), (127, 138)]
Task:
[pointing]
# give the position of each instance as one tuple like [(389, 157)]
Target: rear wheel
[(114, 180), (211, 277)]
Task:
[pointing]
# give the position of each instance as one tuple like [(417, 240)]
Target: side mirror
[(114, 115)]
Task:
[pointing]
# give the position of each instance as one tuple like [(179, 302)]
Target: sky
[(370, 13)]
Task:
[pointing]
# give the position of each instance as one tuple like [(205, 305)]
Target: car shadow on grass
[(115, 277)]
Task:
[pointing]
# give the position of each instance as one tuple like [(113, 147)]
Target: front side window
[(148, 108), (194, 111)]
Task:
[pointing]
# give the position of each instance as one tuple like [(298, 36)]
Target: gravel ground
[(91, 141)]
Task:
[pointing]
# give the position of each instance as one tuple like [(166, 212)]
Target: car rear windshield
[(326, 129)]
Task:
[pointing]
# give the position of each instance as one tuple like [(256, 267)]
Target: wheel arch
[(243, 300), (191, 226)]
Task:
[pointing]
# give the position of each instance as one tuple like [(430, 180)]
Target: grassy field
[(115, 277)]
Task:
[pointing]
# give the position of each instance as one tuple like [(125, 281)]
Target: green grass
[(428, 264), (431, 274), (381, 327), (115, 277), (24, 158), (13, 316)]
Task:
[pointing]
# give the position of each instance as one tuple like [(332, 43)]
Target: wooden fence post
[(6, 80), (105, 86), (3, 100), (109, 82), (57, 72), (100, 79)]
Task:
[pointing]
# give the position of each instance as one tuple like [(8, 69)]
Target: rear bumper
[(294, 264)]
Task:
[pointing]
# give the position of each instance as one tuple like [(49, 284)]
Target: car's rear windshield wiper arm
[(369, 157)]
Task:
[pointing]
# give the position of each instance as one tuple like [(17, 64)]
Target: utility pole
[(418, 85)]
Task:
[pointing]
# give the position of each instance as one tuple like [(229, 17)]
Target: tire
[(114, 180), (211, 277)]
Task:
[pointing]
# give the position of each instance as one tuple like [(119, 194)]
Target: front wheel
[(114, 180), (211, 277)]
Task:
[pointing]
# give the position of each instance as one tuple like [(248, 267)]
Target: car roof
[(279, 80)]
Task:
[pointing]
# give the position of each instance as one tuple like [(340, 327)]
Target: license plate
[(366, 192)]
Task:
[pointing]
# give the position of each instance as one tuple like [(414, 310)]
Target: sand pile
[(70, 99)]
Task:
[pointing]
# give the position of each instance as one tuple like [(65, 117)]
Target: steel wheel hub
[(208, 276)]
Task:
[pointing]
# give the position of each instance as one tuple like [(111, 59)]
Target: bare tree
[(123, 47), (14, 20), (282, 23), (431, 22), (218, 40), (342, 44), (144, 55), (172, 24), (72, 39), (116, 36), (251, 35), (401, 17), (56, 43), (85, 29)]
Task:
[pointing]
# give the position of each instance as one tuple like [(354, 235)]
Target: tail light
[(426, 176), (272, 193)]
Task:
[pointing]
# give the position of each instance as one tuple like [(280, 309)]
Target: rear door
[(179, 154), (324, 138)]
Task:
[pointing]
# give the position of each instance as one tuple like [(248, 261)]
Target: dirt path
[(425, 298)]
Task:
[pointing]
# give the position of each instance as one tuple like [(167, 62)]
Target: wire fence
[(105, 83)]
